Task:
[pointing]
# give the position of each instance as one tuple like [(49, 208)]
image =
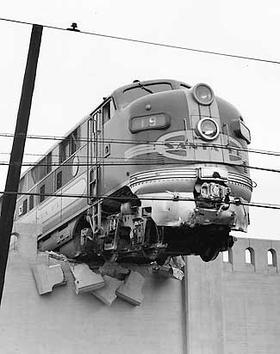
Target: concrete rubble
[(114, 270), (47, 277), (85, 279), (131, 290), (109, 281), (164, 271), (173, 267), (107, 294)]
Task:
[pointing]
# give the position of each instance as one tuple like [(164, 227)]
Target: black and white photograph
[(139, 177)]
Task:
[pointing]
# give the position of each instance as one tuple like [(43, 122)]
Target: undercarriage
[(120, 229)]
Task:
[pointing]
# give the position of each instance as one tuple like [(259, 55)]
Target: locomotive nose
[(193, 110), (154, 113)]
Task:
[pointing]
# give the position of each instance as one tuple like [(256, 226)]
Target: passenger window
[(42, 193), (48, 163), (31, 202), (107, 111), (69, 146), (74, 141), (59, 180), (64, 150), (24, 207)]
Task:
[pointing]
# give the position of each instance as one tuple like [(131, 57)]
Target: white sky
[(76, 71)]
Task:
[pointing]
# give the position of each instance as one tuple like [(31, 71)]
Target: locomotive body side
[(159, 169)]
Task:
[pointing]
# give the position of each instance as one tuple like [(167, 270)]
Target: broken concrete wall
[(220, 308), (64, 322)]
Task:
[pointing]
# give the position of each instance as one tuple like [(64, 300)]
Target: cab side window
[(69, 145), (108, 110)]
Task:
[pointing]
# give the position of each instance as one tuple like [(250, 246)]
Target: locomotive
[(158, 169)]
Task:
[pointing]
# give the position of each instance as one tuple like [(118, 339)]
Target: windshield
[(131, 94)]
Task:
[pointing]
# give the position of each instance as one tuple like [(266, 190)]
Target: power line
[(145, 162), (150, 43), (104, 197), (142, 142)]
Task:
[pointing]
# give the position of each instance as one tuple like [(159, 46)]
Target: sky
[(76, 71)]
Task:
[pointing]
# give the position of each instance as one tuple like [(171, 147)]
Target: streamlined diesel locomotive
[(158, 169)]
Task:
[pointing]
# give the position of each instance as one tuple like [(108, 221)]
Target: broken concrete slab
[(177, 262), (167, 271), (85, 279), (131, 290), (177, 273), (107, 294), (47, 277)]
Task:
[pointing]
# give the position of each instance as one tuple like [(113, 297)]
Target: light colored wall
[(203, 298), (234, 308), (251, 301), (220, 308), (63, 322)]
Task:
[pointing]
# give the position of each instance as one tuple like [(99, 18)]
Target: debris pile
[(173, 267), (106, 283)]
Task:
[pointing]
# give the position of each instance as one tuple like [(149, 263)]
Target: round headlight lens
[(203, 94), (208, 129)]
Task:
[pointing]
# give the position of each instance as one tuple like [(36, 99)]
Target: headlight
[(208, 129), (154, 121), (203, 94)]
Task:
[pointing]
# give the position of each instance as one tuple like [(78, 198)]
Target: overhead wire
[(148, 43), (249, 150), (164, 45), (272, 153), (143, 142), (104, 197), (145, 42), (146, 162)]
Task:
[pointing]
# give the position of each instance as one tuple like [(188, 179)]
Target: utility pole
[(13, 176)]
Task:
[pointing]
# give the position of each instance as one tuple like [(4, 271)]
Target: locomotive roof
[(116, 94), (174, 83)]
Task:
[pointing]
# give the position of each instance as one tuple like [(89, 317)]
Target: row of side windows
[(42, 191), (23, 208), (249, 256), (65, 149), (69, 146)]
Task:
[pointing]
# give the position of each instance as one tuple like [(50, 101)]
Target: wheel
[(161, 259), (209, 254)]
